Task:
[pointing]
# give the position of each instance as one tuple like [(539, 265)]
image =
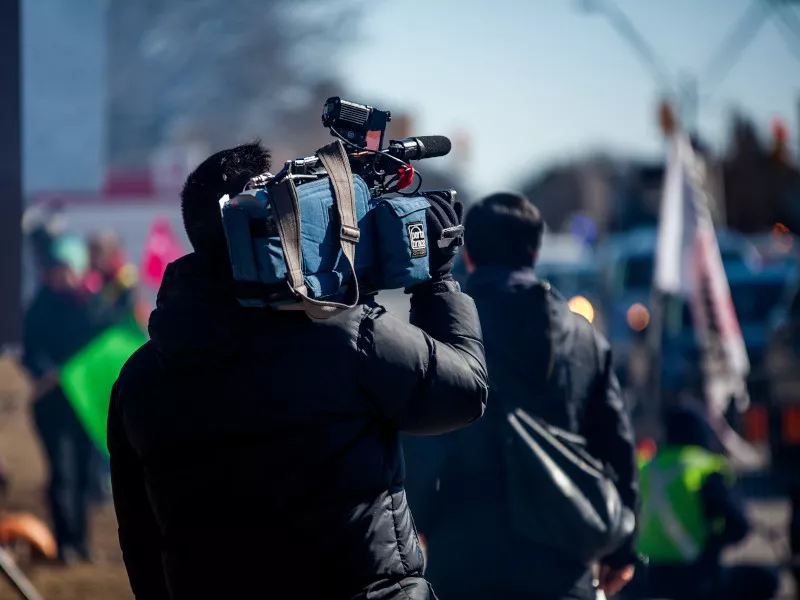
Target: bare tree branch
[(222, 70)]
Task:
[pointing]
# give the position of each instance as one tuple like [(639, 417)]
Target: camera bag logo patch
[(416, 239)]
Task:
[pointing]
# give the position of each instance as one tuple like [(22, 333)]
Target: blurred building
[(754, 186), (762, 181), (597, 190), (64, 95)]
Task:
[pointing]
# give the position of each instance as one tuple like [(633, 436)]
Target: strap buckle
[(351, 234)]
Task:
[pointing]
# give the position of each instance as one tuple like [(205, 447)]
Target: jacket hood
[(197, 317), (517, 321)]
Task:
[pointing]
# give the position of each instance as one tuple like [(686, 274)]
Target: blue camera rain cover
[(255, 248), (403, 241)]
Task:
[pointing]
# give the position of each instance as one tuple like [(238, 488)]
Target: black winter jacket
[(57, 325), (460, 478), (256, 454)]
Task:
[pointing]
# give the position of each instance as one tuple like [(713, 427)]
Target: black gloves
[(445, 232), (445, 235)]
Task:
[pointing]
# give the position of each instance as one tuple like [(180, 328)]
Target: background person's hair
[(503, 229), (225, 172), (686, 424), (105, 243)]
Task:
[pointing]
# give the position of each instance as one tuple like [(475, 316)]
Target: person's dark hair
[(225, 172), (686, 424), (503, 229)]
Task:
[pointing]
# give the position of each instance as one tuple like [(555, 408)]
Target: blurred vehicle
[(782, 369), (777, 247), (779, 418), (579, 283), (562, 248), (759, 296), (628, 265)]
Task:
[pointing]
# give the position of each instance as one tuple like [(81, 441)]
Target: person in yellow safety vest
[(690, 514)]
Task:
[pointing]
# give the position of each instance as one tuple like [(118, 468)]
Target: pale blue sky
[(536, 80)]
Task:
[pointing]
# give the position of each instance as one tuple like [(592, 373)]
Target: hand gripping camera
[(331, 227)]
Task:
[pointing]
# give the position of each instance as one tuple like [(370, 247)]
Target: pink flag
[(161, 248)]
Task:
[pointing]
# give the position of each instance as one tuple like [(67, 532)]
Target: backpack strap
[(548, 311), (283, 197)]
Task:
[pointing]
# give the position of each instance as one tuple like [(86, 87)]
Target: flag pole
[(658, 299), (655, 337)]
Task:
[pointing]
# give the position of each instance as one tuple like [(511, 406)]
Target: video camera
[(362, 129), (337, 223)]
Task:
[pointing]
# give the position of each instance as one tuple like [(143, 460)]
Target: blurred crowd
[(83, 287)]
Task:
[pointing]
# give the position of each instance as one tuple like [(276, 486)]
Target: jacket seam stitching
[(397, 540)]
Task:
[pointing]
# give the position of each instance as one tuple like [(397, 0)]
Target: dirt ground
[(22, 457)]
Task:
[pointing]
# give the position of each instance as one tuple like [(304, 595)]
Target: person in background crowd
[(57, 324), (457, 485), (691, 512), (111, 279)]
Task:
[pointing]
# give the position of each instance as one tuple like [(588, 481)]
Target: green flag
[(87, 377)]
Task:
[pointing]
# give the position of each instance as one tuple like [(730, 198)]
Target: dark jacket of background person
[(256, 453), (58, 323), (459, 478)]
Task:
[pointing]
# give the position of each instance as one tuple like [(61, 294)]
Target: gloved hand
[(445, 233)]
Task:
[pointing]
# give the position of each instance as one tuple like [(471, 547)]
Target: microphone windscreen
[(435, 145)]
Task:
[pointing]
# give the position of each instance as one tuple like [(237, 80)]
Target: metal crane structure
[(686, 87)]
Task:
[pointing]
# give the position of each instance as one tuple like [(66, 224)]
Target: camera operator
[(255, 452), (464, 477)]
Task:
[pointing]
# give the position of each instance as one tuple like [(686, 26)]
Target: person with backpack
[(496, 517)]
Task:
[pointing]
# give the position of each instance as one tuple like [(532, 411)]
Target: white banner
[(689, 264)]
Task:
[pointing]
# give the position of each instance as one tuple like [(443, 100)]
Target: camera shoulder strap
[(287, 211)]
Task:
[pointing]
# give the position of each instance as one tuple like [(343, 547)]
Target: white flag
[(689, 264)]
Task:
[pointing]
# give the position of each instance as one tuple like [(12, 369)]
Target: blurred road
[(768, 542)]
